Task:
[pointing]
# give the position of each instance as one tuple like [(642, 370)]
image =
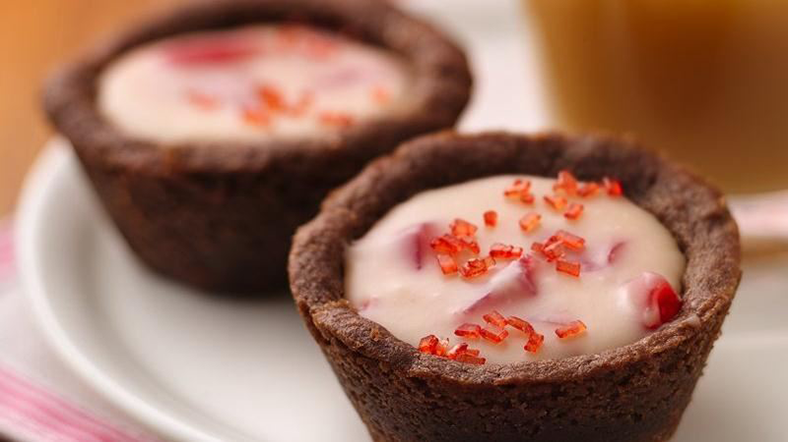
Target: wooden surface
[(35, 35)]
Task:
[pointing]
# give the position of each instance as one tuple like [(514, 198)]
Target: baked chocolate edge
[(635, 392)]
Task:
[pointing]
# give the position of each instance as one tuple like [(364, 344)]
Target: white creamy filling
[(207, 86), (393, 278)]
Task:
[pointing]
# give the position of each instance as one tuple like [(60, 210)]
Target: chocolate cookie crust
[(220, 215), (636, 392)]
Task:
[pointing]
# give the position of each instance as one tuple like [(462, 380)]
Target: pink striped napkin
[(40, 399)]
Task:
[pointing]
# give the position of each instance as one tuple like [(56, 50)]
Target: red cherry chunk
[(534, 343), (447, 264), (495, 319), (494, 334), (470, 331), (574, 328), (490, 218), (504, 251), (460, 228)]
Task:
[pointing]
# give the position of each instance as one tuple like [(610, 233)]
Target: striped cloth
[(40, 399)]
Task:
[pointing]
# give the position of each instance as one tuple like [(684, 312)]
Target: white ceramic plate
[(195, 367)]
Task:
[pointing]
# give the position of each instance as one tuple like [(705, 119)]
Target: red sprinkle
[(447, 244), (566, 182), (380, 95), (530, 222), (526, 197), (574, 211), (534, 343), (588, 190), (494, 334), (469, 358), (520, 324), (612, 186), (519, 186), (256, 116), (457, 350), (476, 267), (428, 344), (202, 100), (468, 330), (447, 264), (553, 249), (442, 347), (470, 245), (490, 218), (336, 119), (271, 97), (571, 330), (568, 267), (555, 201), (460, 228), (504, 251), (570, 240), (495, 318)]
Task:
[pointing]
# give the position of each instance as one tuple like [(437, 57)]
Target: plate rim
[(36, 188)]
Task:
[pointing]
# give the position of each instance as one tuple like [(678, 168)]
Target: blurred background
[(35, 36)]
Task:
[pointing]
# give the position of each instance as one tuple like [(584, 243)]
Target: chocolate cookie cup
[(636, 392), (219, 215)]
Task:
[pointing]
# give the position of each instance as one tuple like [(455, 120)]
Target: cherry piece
[(204, 51), (654, 296), (495, 318), (574, 328)]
